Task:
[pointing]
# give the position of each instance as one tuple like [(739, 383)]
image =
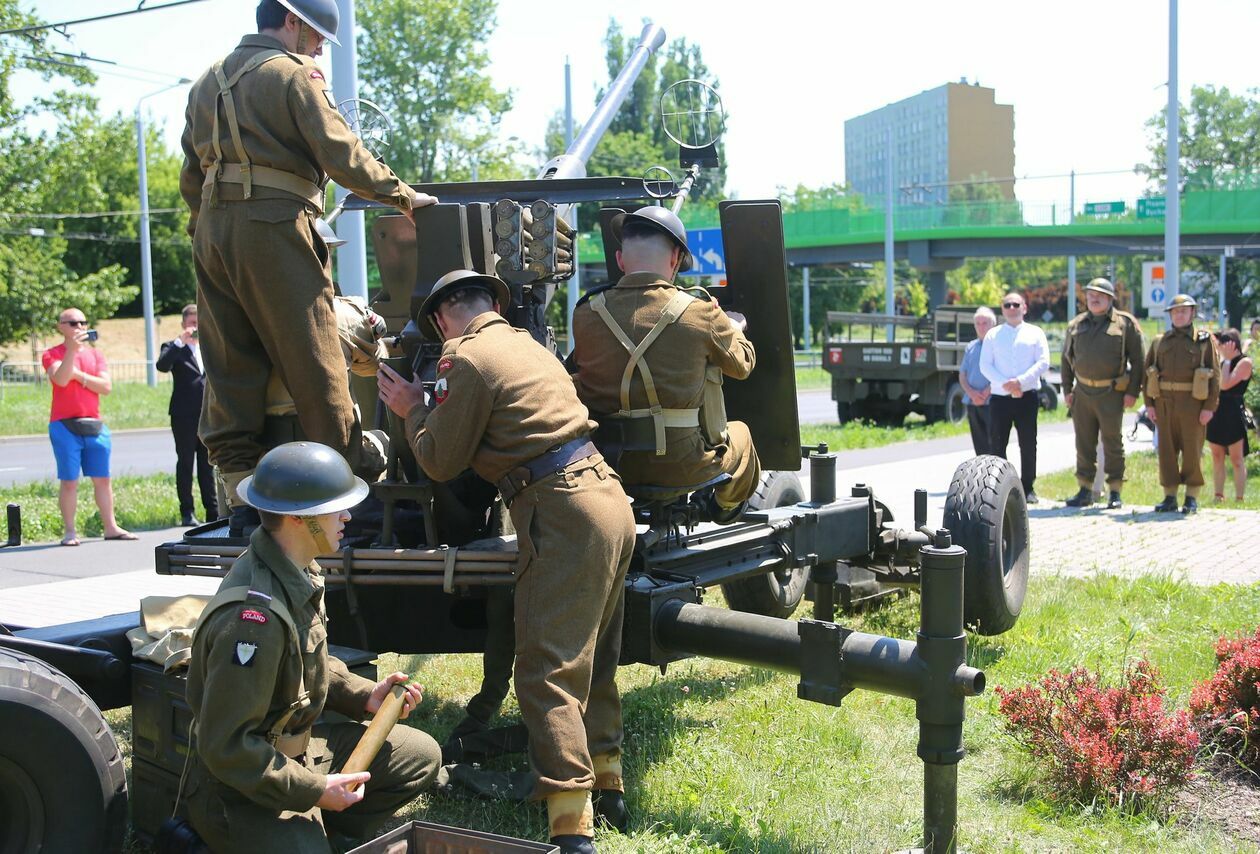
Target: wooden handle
[(378, 730)]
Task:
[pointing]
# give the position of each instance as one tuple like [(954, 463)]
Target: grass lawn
[(140, 503), (861, 434), (24, 408), (1142, 482), (724, 758)]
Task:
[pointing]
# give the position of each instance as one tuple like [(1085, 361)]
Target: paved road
[(26, 459)]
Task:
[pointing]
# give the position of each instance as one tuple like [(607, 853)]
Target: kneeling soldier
[(505, 406), (264, 775)]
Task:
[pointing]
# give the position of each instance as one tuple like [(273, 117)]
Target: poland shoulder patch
[(244, 654), (441, 390)]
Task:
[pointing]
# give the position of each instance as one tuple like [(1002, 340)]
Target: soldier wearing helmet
[(650, 357), (262, 139), (504, 405), (1102, 373), (261, 778), (1182, 391)]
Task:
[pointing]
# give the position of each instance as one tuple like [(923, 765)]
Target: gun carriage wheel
[(773, 594), (986, 514), (62, 786)]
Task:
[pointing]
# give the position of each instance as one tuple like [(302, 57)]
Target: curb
[(25, 437)]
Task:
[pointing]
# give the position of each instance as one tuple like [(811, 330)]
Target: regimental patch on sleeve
[(253, 616), (441, 391), (243, 654), (317, 74), (444, 365)]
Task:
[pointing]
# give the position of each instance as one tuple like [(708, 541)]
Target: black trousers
[(188, 448), (1004, 411), (978, 421)]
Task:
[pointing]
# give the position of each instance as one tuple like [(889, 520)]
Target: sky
[(1083, 75)]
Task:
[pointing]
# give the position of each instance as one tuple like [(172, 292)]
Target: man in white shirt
[(1013, 358)]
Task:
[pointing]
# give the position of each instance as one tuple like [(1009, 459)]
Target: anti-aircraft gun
[(426, 554)]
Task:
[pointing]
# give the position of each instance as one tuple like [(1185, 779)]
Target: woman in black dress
[(1227, 431)]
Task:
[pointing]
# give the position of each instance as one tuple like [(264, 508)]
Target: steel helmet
[(1181, 300), (322, 16), (663, 220), (1103, 286), (454, 281), (302, 479)]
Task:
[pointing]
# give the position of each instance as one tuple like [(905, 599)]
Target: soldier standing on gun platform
[(261, 141), (1183, 388), (504, 405), (1101, 376)]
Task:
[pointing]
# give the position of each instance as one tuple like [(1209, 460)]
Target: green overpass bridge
[(938, 238)]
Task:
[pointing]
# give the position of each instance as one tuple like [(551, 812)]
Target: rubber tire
[(1047, 397), (955, 408), (844, 412), (986, 514), (62, 784), (771, 594)]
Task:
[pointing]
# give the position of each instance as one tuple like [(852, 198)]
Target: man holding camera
[(181, 358), (79, 437)]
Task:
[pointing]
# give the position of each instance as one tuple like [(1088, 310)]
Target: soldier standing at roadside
[(505, 405), (262, 139), (1102, 373), (1183, 388)]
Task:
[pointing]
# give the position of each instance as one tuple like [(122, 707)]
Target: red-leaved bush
[(1227, 706), (1097, 744)]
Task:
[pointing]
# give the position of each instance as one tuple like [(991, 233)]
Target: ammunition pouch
[(1200, 384), (294, 744), (713, 407), (1152, 382)]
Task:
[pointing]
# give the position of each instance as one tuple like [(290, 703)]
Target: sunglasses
[(1011, 304), (75, 322)]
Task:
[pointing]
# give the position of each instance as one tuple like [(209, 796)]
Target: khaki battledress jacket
[(702, 335)]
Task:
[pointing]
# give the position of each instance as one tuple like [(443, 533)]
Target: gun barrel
[(572, 164)]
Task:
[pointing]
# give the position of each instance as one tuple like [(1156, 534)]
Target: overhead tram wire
[(60, 26)]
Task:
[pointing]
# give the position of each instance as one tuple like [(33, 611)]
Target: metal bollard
[(942, 645), (15, 525)]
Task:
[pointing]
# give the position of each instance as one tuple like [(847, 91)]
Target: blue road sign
[(707, 252), (1157, 295)]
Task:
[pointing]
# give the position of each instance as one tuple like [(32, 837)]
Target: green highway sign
[(1094, 208), (1152, 208)]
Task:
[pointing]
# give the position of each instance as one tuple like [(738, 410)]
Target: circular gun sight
[(691, 114)]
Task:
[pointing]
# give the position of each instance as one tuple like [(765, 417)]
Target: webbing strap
[(265, 176), (234, 127), (673, 310), (448, 568)]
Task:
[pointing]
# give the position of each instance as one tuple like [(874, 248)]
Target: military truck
[(424, 554), (881, 380)]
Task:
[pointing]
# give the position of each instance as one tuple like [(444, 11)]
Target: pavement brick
[(1210, 547)]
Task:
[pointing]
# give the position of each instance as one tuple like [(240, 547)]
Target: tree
[(424, 63), (35, 279), (1220, 146), (635, 139)]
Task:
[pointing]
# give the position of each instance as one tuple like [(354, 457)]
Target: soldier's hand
[(419, 200), (738, 320), (1205, 416), (1150, 413), (399, 395), (415, 693), (337, 796), (1129, 400), (1071, 396)]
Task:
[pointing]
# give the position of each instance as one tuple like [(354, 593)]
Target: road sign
[(1154, 289), (1095, 208), (1152, 208), (707, 252)]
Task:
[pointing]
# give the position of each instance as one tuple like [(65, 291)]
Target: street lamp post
[(146, 255)]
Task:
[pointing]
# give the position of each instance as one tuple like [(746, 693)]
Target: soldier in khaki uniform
[(1102, 373), (262, 139), (505, 405), (1183, 388), (265, 775), (651, 356)]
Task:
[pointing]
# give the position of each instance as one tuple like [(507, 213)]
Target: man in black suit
[(182, 358)]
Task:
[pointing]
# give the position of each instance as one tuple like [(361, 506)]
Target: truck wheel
[(62, 786), (844, 411), (955, 404), (773, 594), (1047, 397), (986, 514)]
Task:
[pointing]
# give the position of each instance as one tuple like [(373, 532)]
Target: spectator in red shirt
[(80, 439)]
